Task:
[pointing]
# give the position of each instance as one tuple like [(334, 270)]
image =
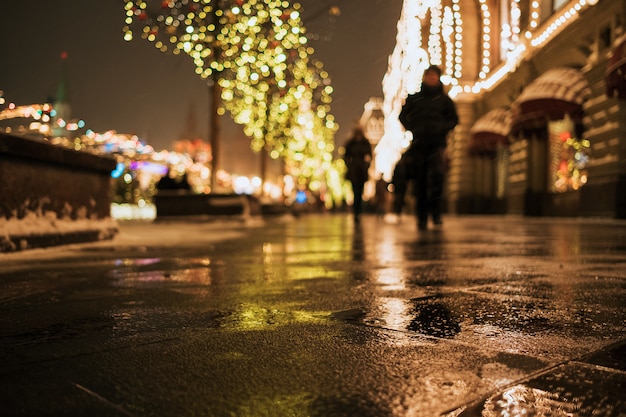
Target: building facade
[(541, 94), (564, 153)]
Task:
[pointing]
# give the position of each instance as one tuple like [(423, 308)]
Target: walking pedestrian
[(381, 197), (400, 181), (357, 156), (429, 115)]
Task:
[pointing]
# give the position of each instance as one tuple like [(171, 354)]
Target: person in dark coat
[(167, 182), (400, 181), (381, 197), (429, 115), (357, 156)]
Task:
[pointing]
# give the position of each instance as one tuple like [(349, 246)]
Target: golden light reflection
[(250, 316), (390, 279), (395, 313), (301, 260), (522, 400), (190, 275), (129, 275), (386, 253)]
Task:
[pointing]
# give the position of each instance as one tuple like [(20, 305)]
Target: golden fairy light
[(256, 52)]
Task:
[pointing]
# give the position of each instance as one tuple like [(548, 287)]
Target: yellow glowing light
[(261, 62)]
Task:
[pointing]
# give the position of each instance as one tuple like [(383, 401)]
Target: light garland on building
[(435, 33), (408, 60), (555, 25), (458, 40), (486, 40), (404, 72), (560, 21), (516, 17)]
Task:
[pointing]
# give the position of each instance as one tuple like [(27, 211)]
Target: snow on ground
[(48, 223), (140, 233)]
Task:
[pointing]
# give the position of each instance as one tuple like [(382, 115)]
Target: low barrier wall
[(48, 192), (183, 204)]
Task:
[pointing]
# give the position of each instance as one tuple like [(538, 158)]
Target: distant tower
[(373, 120), (373, 123), (191, 142), (61, 102)]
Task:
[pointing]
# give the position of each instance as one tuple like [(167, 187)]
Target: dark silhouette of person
[(357, 156), (168, 183), (400, 181), (429, 115), (183, 184), (381, 196)]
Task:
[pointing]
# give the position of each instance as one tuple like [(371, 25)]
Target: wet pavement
[(316, 316)]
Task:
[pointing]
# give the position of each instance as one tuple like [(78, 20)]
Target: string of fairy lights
[(434, 32), (256, 52)]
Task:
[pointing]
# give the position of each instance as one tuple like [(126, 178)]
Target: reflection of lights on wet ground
[(137, 262), (521, 400), (390, 279), (134, 271), (395, 313), (386, 250), (191, 275), (255, 317)]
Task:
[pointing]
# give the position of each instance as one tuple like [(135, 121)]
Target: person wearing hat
[(429, 115)]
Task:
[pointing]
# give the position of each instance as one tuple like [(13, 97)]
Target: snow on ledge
[(48, 223)]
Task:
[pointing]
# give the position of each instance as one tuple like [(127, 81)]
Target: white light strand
[(447, 34), (404, 73), (560, 21), (458, 40), (557, 23), (534, 14), (486, 40), (434, 40)]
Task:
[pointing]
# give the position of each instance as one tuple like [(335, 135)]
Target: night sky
[(132, 87)]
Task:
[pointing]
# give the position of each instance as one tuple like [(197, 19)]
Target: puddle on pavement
[(572, 389), (446, 315), (433, 318), (509, 323)]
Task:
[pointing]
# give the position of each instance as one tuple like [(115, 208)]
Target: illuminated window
[(569, 157)]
